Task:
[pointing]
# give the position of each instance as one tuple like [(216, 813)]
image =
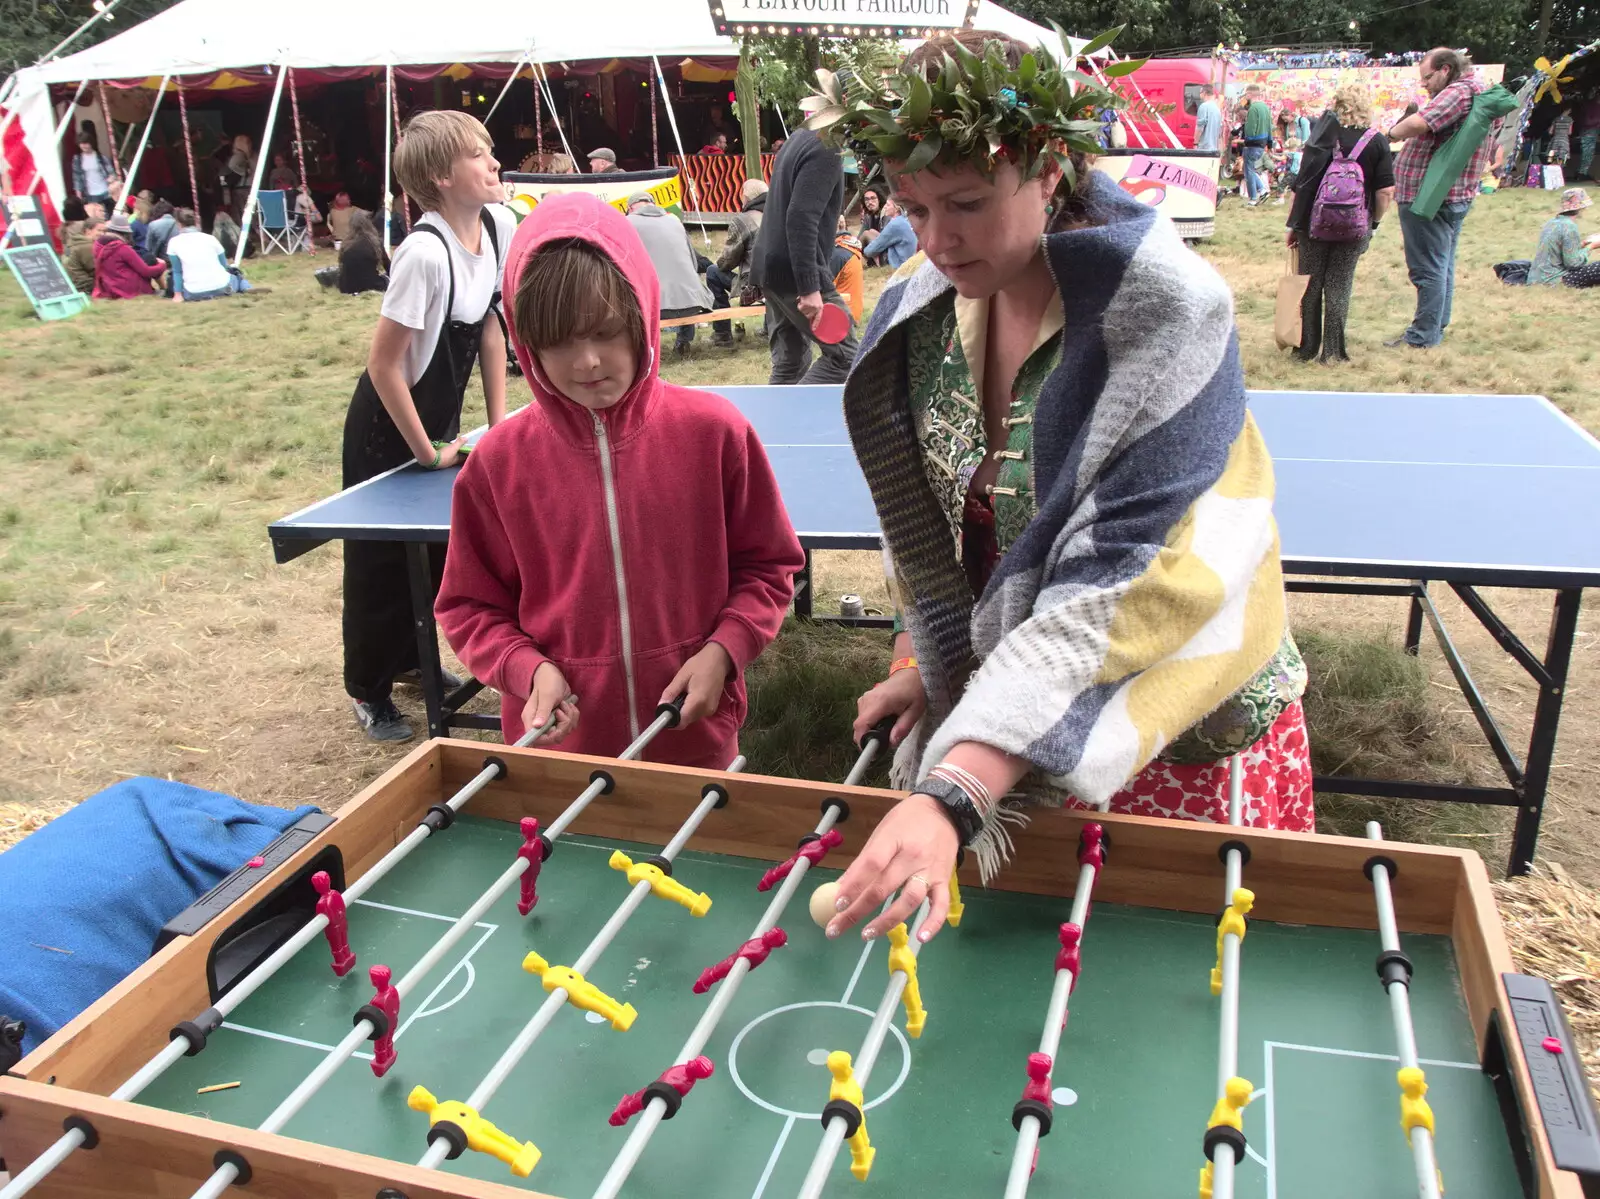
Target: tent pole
[(126, 201), (555, 115), (405, 204), (261, 166), (672, 120), (510, 79), (111, 132), (300, 157), (655, 140), (538, 118), (388, 149), (188, 149)]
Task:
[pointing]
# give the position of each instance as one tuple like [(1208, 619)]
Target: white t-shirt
[(200, 255), (95, 182), (419, 283)]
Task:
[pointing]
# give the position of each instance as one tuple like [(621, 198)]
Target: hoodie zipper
[(615, 526)]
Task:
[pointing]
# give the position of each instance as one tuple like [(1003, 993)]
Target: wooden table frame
[(1297, 878)]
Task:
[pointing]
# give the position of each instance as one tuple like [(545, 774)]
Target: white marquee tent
[(201, 37)]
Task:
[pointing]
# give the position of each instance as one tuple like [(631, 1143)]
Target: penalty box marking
[(1267, 1049), (465, 963)]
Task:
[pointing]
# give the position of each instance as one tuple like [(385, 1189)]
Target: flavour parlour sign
[(842, 18)]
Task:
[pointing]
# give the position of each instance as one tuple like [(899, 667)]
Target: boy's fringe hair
[(571, 288)]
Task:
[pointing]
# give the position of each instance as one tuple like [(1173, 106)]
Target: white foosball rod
[(833, 1136), (1055, 1019), (1222, 1161), (68, 1143), (439, 1150), (656, 1110), (1399, 992)]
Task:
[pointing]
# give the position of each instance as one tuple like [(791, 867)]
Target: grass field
[(144, 628)]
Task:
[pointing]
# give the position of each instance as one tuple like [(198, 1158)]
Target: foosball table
[(504, 971)]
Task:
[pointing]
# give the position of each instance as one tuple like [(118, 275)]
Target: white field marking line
[(472, 977), (1268, 1047), (389, 907), (1457, 465), (772, 1160), (861, 964), (288, 1040)]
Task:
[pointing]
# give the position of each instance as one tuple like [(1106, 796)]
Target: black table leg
[(420, 570), (1414, 620), (1546, 719), (802, 590)]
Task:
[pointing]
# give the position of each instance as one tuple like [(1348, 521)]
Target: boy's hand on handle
[(913, 849), (550, 694), (700, 681), (901, 696)]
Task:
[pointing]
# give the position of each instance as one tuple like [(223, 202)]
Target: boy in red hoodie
[(622, 541)]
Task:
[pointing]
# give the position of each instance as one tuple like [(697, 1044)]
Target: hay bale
[(1553, 924), (17, 820)]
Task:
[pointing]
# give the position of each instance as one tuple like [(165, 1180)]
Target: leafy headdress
[(973, 109)]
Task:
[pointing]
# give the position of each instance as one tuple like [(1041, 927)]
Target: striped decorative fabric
[(1147, 589)]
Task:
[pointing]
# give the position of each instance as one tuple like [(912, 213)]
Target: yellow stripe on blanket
[(1207, 612)]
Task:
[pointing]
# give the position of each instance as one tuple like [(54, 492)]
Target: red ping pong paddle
[(832, 325)]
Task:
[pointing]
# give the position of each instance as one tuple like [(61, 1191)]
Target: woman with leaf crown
[(1076, 506)]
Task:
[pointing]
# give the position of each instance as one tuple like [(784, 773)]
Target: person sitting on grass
[(440, 316), (669, 510), (361, 258), (1563, 255), (897, 241), (119, 272), (162, 227), (200, 268), (226, 230), (339, 214), (79, 257)]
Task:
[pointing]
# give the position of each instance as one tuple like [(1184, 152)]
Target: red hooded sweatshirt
[(617, 543), (119, 272)]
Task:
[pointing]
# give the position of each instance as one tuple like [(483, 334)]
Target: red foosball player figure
[(754, 951), (811, 851), (533, 852), (387, 1000), (1037, 1087), (1091, 846), (679, 1079), (1068, 959), (331, 905)]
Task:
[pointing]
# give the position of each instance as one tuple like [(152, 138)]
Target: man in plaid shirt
[(1430, 244)]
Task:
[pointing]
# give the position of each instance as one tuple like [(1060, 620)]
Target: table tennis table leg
[(1546, 719), (1414, 620), (419, 569), (802, 590)]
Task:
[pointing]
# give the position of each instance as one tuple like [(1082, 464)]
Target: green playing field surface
[(1135, 1078)]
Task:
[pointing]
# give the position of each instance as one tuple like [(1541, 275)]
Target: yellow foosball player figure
[(957, 908), (1414, 1109), (902, 959), (1233, 921), (1227, 1114), (847, 1091), (580, 993), (482, 1136), (661, 883)]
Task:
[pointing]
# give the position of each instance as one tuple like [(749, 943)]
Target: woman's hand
[(1291, 238), (550, 694), (913, 849), (900, 695)]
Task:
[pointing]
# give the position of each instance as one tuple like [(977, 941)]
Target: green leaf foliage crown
[(973, 109)]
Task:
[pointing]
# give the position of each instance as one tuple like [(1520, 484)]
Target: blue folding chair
[(275, 221)]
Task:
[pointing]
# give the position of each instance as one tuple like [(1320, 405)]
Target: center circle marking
[(744, 1088)]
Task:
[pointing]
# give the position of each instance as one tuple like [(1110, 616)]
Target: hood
[(757, 204), (647, 210), (104, 243), (587, 218)]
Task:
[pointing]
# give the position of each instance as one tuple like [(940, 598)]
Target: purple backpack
[(1339, 212)]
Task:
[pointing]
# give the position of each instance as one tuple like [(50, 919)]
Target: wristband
[(899, 664), (438, 455), (956, 804)]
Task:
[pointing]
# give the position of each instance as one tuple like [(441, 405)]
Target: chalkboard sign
[(45, 281)]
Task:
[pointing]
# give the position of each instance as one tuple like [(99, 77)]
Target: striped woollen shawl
[(1147, 589)]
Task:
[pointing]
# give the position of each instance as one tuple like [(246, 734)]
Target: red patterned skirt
[(1277, 783)]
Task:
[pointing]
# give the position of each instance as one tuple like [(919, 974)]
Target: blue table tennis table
[(1384, 495)]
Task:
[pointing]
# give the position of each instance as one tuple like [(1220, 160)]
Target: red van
[(1172, 84)]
